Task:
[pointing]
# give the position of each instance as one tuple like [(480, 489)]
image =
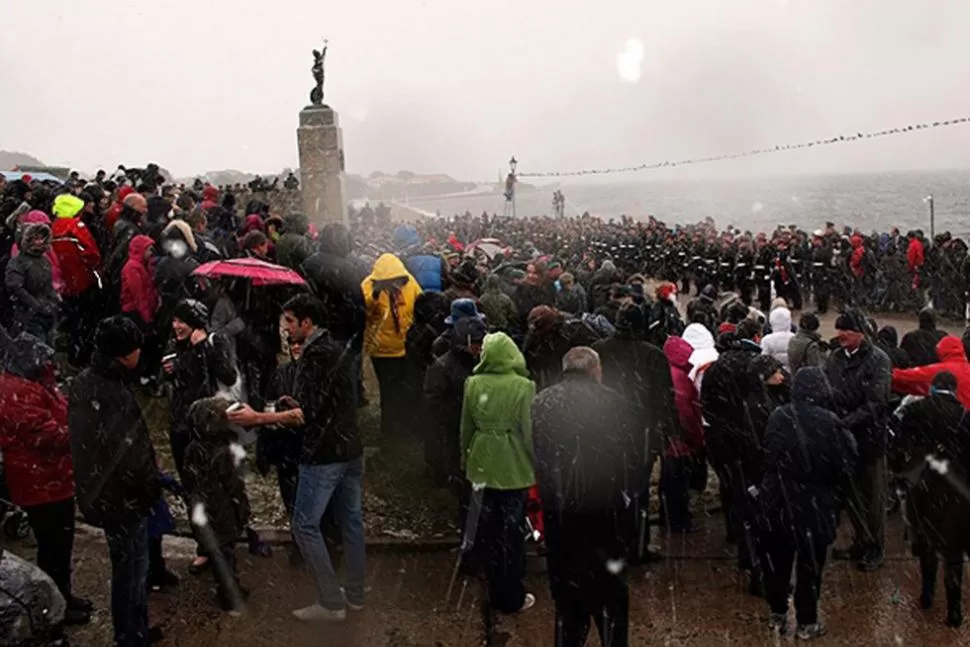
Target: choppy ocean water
[(876, 201)]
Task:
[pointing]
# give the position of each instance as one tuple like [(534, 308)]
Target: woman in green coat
[(497, 458)]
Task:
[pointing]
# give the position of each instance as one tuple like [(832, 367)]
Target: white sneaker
[(530, 601), (317, 613)]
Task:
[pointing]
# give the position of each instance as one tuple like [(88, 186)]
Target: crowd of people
[(547, 381)]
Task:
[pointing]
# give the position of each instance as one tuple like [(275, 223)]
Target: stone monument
[(321, 154)]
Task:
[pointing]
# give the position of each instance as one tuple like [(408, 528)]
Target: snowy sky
[(457, 86)]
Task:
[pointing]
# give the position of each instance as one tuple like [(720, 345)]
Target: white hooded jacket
[(776, 344)]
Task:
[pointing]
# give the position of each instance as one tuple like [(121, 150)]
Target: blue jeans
[(128, 547), (317, 485)]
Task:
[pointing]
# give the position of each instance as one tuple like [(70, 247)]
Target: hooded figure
[(497, 306), (888, 340), (704, 353), (430, 312), (702, 309), (444, 391), (640, 373), (920, 344), (36, 449), (138, 294), (173, 272), (36, 217), (335, 277), (390, 293), (937, 427), (953, 359), (498, 458), (808, 454), (30, 286), (776, 343), (75, 246), (677, 464), (217, 494), (806, 348), (294, 247)]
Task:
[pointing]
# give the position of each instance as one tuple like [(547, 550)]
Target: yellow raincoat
[(381, 338)]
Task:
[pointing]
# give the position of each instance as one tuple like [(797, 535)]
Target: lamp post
[(929, 199)]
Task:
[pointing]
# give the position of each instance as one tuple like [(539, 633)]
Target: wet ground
[(695, 597)]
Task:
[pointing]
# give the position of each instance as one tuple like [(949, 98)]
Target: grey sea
[(872, 202)]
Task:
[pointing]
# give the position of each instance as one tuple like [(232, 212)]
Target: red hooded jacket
[(35, 441), (138, 293), (953, 358), (78, 253), (686, 399)]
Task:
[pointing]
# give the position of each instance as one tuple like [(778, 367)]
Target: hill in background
[(9, 160)]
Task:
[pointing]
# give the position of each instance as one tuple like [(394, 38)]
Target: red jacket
[(916, 381), (915, 255), (138, 293), (35, 441), (858, 255), (111, 216), (78, 253), (686, 399)]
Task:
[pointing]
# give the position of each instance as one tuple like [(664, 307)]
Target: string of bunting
[(840, 139)]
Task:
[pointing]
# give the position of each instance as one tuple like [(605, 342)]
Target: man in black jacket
[(920, 344), (444, 390), (861, 378), (589, 458), (331, 459), (114, 470), (735, 400), (640, 373)]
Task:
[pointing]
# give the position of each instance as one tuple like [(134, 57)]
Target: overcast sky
[(457, 86)]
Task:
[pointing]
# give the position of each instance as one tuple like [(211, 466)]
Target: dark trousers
[(128, 547), (580, 549), (675, 475), (865, 500), (782, 551), (226, 576), (393, 374), (81, 316), (53, 526), (501, 541), (180, 440)]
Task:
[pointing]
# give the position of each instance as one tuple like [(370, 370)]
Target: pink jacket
[(686, 399)]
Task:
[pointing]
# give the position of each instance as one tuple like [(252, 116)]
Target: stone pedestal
[(321, 165)]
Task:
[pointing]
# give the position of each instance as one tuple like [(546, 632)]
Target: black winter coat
[(31, 290), (664, 321), (444, 392), (326, 388), (211, 478), (640, 373), (336, 281), (807, 452), (937, 425), (199, 369), (114, 462), (861, 384), (589, 447), (544, 353), (920, 345), (733, 401)]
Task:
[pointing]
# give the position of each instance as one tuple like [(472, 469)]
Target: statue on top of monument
[(316, 94)]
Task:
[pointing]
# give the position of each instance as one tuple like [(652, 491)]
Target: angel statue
[(316, 94)]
